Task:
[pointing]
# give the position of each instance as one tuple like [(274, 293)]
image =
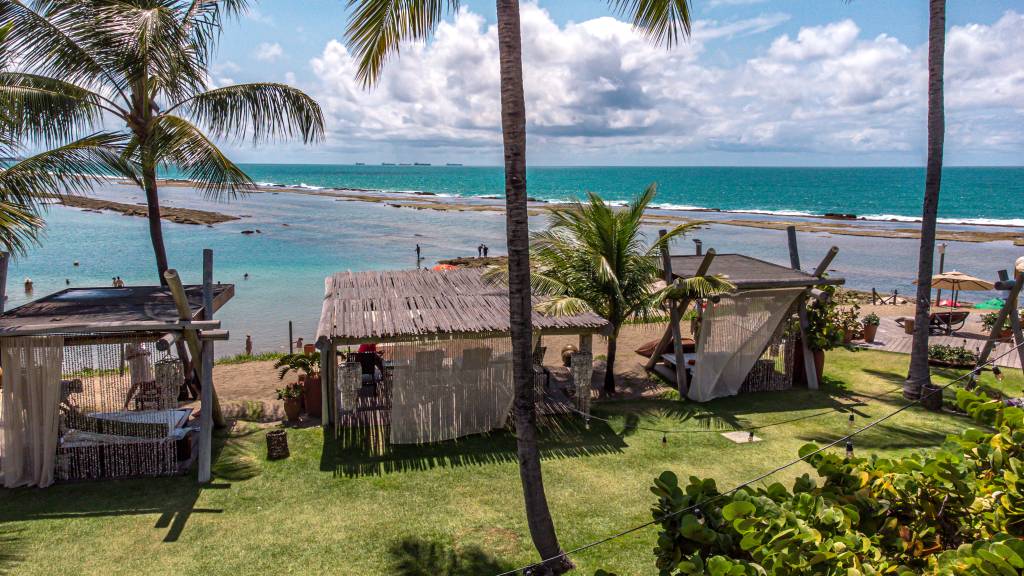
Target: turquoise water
[(303, 238), (970, 195)]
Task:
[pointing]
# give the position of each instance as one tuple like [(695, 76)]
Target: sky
[(759, 83)]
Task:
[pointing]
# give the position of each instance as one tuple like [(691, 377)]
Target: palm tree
[(375, 31), (919, 375), (144, 65), (592, 258)]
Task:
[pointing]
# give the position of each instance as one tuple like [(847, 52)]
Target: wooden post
[(705, 265), (291, 339), (1009, 310), (328, 368), (677, 345), (810, 371), (206, 385), (191, 337), (5, 259)]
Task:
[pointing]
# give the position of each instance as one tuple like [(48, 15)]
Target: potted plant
[(291, 394), (824, 329), (871, 322), (989, 320), (307, 366), (849, 321)]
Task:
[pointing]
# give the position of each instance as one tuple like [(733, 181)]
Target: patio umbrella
[(957, 281)]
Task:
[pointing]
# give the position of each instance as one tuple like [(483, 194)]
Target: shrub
[(989, 320), (958, 510), (872, 319), (957, 355)]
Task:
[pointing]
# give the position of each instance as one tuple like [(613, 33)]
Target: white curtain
[(449, 389), (733, 335), (30, 409)]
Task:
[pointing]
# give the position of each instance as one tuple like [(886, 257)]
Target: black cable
[(870, 425)]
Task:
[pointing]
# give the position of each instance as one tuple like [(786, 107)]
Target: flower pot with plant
[(951, 356), (824, 329), (291, 394), (307, 367), (871, 322), (989, 320)]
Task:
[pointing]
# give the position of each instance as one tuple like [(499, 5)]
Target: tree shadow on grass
[(886, 436), (367, 450), (172, 499), (10, 557), (418, 557)]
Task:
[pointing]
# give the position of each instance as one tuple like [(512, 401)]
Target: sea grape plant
[(955, 510)]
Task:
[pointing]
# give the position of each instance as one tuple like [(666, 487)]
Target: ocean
[(969, 195), (303, 238)]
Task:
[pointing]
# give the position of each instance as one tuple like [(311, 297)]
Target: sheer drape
[(448, 389), (30, 409), (733, 335)]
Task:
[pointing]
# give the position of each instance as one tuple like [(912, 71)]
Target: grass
[(243, 358), (339, 506)]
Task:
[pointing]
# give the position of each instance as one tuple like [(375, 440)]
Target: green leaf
[(737, 509)]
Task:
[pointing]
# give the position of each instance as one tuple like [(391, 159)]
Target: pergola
[(90, 386), (742, 333), (450, 331)]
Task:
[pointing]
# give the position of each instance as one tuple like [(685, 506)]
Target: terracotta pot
[(819, 364), (1006, 334), (308, 349), (292, 408), (847, 336), (312, 396), (869, 332)]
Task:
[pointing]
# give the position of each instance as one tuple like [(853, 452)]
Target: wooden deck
[(892, 338)]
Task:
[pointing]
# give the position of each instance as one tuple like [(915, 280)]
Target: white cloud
[(257, 16), (597, 89), (268, 52)]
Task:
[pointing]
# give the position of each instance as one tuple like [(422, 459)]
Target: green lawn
[(335, 507)]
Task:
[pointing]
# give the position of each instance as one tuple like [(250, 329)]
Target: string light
[(998, 373), (849, 448)]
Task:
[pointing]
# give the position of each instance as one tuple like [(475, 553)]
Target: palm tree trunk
[(513, 126), (156, 233), (919, 374), (609, 373)]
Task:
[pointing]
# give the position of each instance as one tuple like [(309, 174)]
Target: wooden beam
[(150, 326), (218, 335), (662, 346), (1009, 309), (810, 372), (677, 345), (167, 340), (190, 333), (5, 259), (206, 389)]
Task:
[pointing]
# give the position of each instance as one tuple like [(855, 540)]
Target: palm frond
[(45, 110), (563, 306), (20, 227), (377, 28), (699, 287), (71, 169), (180, 143), (203, 21), (663, 22), (56, 38), (261, 112)]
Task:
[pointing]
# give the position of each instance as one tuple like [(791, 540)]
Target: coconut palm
[(142, 65), (919, 374), (375, 32), (593, 258)]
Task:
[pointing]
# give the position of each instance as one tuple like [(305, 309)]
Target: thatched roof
[(134, 308), (749, 273), (415, 304)]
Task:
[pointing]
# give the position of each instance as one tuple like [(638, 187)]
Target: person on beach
[(479, 250), (118, 283), (113, 281), (418, 257), (486, 249), (28, 284), (245, 276), (248, 345)]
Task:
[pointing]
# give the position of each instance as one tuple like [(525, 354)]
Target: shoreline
[(831, 224)]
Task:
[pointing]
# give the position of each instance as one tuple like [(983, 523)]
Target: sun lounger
[(938, 322)]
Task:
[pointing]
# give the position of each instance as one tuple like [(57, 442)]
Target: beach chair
[(947, 322)]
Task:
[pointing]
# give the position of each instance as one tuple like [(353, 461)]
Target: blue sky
[(801, 82)]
